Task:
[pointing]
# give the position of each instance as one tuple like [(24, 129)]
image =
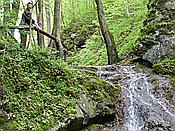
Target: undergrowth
[(125, 20), (93, 54), (39, 88)]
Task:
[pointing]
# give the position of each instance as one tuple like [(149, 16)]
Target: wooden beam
[(33, 28), (14, 27)]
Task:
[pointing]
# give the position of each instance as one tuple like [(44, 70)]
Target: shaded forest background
[(80, 26)]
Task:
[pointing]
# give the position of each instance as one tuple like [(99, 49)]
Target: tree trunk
[(15, 9), (107, 36), (57, 26), (48, 20), (6, 5), (37, 14), (41, 23)]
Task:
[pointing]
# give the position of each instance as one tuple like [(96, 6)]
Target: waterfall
[(141, 107)]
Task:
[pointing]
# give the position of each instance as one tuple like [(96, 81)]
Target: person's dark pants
[(23, 34)]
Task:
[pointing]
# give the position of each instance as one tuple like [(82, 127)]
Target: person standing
[(25, 20)]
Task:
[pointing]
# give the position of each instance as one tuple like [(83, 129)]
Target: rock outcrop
[(76, 34), (158, 39), (103, 105)]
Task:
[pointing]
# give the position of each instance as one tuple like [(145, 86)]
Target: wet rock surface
[(147, 103), (146, 107)]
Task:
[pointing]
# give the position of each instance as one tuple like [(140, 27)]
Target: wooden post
[(30, 35)]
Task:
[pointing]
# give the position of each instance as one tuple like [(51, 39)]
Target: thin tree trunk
[(41, 23), (48, 20), (37, 14), (51, 43), (57, 26), (6, 5), (30, 31), (108, 37), (15, 9)]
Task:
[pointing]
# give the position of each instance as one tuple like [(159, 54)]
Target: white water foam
[(138, 98)]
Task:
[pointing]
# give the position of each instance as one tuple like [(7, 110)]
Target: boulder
[(99, 103)]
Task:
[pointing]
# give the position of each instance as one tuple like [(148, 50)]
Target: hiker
[(25, 20)]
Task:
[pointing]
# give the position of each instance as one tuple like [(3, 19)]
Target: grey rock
[(158, 37), (163, 49)]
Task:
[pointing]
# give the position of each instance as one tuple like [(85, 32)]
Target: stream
[(143, 111)]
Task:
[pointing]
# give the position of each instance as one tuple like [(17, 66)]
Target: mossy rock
[(157, 32), (166, 67), (76, 34), (41, 90)]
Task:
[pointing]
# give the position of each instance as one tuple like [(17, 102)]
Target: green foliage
[(6, 38), (93, 54), (38, 88), (73, 10), (124, 19), (41, 90), (75, 35)]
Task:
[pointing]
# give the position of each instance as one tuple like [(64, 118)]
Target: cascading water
[(133, 118), (141, 107)]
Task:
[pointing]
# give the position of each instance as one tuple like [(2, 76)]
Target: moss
[(154, 83), (165, 67), (159, 21), (169, 95), (102, 89), (172, 78), (40, 89), (90, 128), (76, 33)]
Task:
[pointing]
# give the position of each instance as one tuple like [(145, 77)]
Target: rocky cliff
[(158, 39)]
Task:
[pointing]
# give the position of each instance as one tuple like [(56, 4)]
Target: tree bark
[(15, 9), (6, 5), (37, 14), (107, 36), (57, 26), (48, 20), (41, 23)]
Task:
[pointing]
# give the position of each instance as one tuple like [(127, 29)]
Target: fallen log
[(33, 28)]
